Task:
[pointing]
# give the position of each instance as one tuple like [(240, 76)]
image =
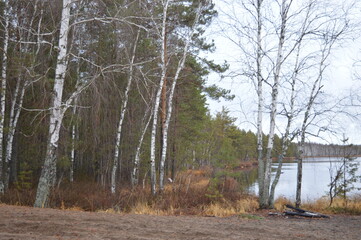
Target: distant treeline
[(316, 149)]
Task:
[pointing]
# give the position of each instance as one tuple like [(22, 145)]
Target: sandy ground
[(31, 223)]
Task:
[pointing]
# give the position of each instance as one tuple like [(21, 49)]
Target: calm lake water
[(316, 178)]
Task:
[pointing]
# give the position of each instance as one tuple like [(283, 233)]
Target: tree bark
[(48, 173), (153, 178), (316, 90), (275, 86), (135, 171), (73, 140), (14, 117), (18, 97), (180, 67), (285, 139), (121, 119), (260, 102), (3, 93)]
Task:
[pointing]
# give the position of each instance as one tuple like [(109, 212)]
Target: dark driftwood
[(303, 213)]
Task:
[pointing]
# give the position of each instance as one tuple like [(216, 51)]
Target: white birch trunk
[(10, 134), (267, 173), (3, 92), (180, 67), (73, 139), (48, 173), (260, 101), (285, 139), (17, 101), (316, 90), (14, 117), (153, 178), (121, 119), (135, 171), (290, 114)]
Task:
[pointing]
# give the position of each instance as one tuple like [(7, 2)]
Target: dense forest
[(113, 66)]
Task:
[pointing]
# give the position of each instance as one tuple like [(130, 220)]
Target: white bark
[(73, 140), (135, 171), (180, 67), (316, 89), (48, 173), (290, 113), (3, 91), (121, 119), (260, 100), (285, 140), (275, 86), (153, 178), (17, 101), (14, 117), (330, 36)]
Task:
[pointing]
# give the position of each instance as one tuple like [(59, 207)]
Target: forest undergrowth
[(194, 192)]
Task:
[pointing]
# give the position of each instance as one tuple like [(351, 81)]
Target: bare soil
[(31, 223)]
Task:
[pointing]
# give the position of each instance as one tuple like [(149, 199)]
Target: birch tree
[(122, 115), (135, 172), (285, 7), (180, 67), (48, 173), (288, 136), (3, 91), (269, 36), (259, 56), (157, 97), (332, 33), (24, 80)]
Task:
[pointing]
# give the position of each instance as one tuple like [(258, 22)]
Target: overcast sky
[(339, 79)]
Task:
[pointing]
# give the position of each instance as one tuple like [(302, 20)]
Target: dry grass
[(322, 205), (280, 203), (247, 205), (219, 210), (192, 193), (339, 206), (144, 208), (241, 206)]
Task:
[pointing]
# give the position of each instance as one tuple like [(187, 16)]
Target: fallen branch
[(303, 213)]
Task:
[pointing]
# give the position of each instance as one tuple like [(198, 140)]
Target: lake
[(315, 181)]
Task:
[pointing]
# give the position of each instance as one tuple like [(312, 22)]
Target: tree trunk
[(290, 117), (3, 93), (153, 178), (73, 140), (163, 112), (17, 101), (273, 114), (174, 147), (316, 90), (260, 102), (14, 117), (180, 67), (299, 173), (121, 119), (48, 173), (135, 172)]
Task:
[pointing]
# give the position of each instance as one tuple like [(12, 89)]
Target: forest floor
[(31, 223)]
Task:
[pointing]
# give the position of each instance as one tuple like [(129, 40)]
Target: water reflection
[(316, 178), (247, 178)]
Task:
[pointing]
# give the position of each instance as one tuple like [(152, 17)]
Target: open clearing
[(30, 223)]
